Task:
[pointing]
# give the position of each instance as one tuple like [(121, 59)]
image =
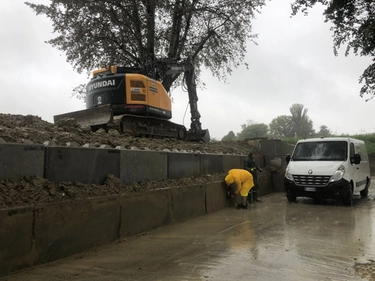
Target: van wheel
[(364, 192), (291, 197), (348, 200)]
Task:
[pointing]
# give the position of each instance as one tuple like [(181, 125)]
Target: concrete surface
[(272, 240)]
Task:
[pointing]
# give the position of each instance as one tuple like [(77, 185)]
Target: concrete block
[(182, 165), (105, 226), (16, 239), (188, 202), (84, 165), (216, 196), (19, 160), (270, 147), (278, 182), (211, 164), (145, 212), (143, 165), (232, 162), (260, 160), (265, 183), (62, 230), (243, 159), (68, 228)]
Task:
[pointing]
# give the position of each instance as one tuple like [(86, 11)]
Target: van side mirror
[(287, 158), (356, 159)]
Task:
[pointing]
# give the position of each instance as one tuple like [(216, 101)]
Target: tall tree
[(353, 26), (298, 124), (281, 127), (324, 131), (229, 137), (301, 123), (253, 131), (135, 33)]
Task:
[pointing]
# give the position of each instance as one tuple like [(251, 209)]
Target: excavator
[(134, 101)]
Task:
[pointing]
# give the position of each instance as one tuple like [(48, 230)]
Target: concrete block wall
[(92, 165), (36, 235)]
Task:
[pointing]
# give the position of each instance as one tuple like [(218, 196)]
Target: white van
[(322, 168)]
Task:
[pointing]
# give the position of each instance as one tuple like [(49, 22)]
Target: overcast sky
[(292, 63)]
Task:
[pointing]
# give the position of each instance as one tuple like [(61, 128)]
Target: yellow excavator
[(133, 101)]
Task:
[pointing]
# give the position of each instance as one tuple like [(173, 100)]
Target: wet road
[(272, 240)]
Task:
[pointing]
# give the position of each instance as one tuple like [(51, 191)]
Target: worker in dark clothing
[(253, 168)]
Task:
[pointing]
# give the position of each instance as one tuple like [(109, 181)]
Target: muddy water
[(272, 240)]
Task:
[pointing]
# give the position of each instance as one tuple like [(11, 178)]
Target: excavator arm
[(187, 67)]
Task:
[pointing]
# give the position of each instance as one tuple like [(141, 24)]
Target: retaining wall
[(92, 165), (35, 235), (39, 234)]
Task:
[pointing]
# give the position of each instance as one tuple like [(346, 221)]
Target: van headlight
[(288, 175), (338, 174)]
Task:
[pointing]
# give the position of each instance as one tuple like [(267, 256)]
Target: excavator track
[(143, 126)]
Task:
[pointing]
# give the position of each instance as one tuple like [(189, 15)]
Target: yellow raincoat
[(242, 179)]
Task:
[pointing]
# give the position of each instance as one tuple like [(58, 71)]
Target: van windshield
[(321, 151)]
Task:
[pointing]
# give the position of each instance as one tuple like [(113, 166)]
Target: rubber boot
[(255, 196), (251, 197)]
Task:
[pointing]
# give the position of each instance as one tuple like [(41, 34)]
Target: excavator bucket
[(95, 116), (198, 135)]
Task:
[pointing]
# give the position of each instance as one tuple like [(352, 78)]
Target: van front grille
[(311, 180)]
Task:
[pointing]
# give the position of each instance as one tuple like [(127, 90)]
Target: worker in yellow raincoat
[(243, 181)]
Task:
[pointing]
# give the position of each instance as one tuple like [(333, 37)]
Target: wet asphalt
[(272, 240)]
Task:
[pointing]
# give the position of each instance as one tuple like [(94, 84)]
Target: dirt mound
[(20, 129), (32, 191)]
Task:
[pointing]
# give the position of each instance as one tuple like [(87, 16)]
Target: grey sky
[(292, 63)]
